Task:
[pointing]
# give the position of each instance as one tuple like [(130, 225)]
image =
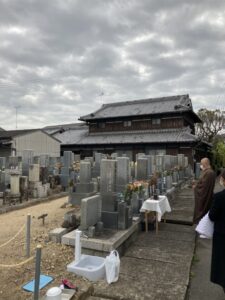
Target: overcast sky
[(62, 59)]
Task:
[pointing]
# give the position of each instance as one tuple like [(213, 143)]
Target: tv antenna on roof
[(16, 108)]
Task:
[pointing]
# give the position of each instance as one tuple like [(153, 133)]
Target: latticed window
[(127, 123), (156, 121)]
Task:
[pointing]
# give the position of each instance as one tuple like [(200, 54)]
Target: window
[(156, 121), (127, 123), (101, 125)]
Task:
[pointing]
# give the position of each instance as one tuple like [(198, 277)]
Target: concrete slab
[(56, 234), (182, 207), (143, 281), (111, 239), (178, 252), (155, 267)]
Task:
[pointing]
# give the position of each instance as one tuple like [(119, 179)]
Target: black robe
[(204, 194), (217, 215)]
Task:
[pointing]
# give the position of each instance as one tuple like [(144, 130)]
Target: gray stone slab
[(108, 176), (109, 240), (145, 279), (142, 168), (110, 219), (122, 171), (90, 211), (85, 172), (109, 201), (169, 251), (56, 234)]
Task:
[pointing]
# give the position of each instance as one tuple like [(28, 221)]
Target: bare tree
[(212, 122)]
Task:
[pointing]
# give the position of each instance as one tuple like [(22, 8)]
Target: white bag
[(112, 266), (205, 227)]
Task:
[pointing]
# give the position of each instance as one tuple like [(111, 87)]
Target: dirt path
[(55, 257)]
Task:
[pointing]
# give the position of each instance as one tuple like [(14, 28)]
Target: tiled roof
[(63, 127), (82, 137), (172, 104), (71, 136), (8, 134)]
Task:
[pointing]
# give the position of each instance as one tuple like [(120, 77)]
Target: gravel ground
[(55, 257)]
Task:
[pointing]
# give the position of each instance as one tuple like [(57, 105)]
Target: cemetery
[(106, 199)]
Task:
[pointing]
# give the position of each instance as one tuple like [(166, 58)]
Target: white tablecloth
[(160, 206)]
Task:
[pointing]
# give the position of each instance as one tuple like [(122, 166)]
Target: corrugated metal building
[(13, 142)]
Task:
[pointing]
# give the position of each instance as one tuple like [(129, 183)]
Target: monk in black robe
[(217, 215), (203, 190)]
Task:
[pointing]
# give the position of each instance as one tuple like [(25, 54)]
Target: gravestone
[(2, 163), (142, 168), (167, 162), (44, 160), (34, 172), (185, 161), (85, 188), (114, 155), (181, 160), (13, 162), (122, 216), (122, 173), (36, 160), (159, 161), (27, 159), (151, 164), (108, 184), (90, 211), (2, 181), (15, 184), (68, 159), (96, 169), (110, 219), (76, 157), (24, 187)]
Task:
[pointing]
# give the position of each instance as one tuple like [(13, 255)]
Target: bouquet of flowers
[(134, 187)]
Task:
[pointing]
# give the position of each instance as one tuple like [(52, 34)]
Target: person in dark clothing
[(217, 215), (203, 190)]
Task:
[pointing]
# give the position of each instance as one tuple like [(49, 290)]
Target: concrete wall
[(39, 142)]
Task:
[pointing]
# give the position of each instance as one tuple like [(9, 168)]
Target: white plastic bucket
[(54, 293)]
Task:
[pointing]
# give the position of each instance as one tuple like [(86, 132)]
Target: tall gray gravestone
[(159, 161), (85, 188), (122, 173), (142, 168), (108, 193), (68, 159), (27, 159), (2, 163)]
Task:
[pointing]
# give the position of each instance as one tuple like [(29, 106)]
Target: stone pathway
[(155, 267), (182, 207)]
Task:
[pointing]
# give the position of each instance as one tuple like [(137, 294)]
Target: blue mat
[(44, 280)]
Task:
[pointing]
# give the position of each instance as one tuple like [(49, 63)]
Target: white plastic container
[(54, 293)]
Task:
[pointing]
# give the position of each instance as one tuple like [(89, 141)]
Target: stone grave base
[(109, 240)]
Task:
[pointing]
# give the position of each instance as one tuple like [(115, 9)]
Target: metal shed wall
[(37, 141)]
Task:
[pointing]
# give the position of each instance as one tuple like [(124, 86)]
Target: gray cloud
[(58, 57)]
